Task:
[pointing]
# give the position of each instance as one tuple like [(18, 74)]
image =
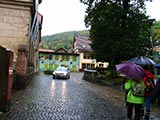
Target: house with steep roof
[(82, 46), (50, 60)]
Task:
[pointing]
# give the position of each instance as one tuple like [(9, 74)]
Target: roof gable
[(61, 50)]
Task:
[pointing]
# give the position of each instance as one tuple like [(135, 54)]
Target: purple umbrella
[(131, 70), (142, 60)]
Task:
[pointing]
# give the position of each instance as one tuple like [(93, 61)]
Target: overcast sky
[(68, 15)]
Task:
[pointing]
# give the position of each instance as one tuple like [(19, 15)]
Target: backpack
[(138, 89), (149, 85)]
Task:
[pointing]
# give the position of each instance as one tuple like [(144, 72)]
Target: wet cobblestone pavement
[(74, 99)]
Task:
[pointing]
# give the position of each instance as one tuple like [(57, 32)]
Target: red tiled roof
[(45, 50)]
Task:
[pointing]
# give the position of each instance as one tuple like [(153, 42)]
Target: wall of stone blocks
[(14, 26)]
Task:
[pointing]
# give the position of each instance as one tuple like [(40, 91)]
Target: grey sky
[(68, 15)]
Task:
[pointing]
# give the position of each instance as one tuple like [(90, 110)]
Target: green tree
[(119, 30), (60, 45), (156, 31)]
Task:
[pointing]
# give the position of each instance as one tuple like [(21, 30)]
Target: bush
[(48, 72)]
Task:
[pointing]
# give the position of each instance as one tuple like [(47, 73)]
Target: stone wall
[(21, 68), (14, 27), (16, 19)]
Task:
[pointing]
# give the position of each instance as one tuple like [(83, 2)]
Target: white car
[(61, 72)]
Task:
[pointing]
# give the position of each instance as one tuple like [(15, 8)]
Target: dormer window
[(83, 46)]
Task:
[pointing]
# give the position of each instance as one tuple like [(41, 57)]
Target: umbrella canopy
[(131, 70), (157, 65), (142, 60)]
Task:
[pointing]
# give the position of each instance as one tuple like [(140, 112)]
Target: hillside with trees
[(60, 40)]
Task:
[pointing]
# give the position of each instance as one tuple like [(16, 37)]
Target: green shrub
[(73, 68), (74, 58), (56, 66), (63, 57), (48, 72), (57, 57), (50, 67), (67, 58), (45, 66)]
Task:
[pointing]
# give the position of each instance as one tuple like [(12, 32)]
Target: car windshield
[(61, 69)]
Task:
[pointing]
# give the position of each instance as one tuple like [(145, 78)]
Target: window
[(92, 66), (50, 56), (83, 66), (88, 56), (101, 65), (88, 66), (84, 56)]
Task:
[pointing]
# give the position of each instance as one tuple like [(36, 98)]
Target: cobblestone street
[(74, 99)]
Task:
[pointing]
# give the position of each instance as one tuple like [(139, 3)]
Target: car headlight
[(65, 74), (54, 73)]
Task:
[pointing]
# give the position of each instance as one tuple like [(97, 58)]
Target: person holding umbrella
[(149, 83), (135, 87), (148, 80)]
